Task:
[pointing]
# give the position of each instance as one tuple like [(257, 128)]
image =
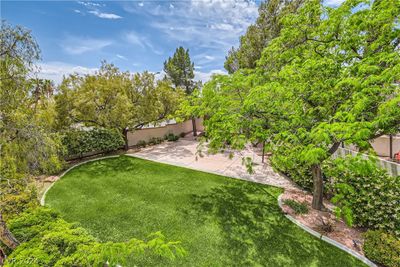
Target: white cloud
[(141, 4), (204, 59), (206, 76), (77, 11), (135, 39), (105, 15), (56, 70), (198, 75), (90, 4), (142, 41), (333, 3), (214, 24), (78, 45), (121, 57)]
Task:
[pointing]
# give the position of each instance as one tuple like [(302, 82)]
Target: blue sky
[(74, 36)]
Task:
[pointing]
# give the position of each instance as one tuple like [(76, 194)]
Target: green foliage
[(17, 195), (267, 27), (48, 240), (81, 142), (366, 193), (180, 70), (382, 248), (28, 144), (114, 99), (155, 140), (171, 137), (141, 143), (289, 162), (297, 207), (330, 76), (343, 207)]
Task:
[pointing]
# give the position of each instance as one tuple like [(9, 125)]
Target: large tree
[(114, 99), (28, 146), (267, 27), (180, 70), (331, 76)]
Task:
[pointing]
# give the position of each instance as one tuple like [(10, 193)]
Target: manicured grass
[(221, 221)]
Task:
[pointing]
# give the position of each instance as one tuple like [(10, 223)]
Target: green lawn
[(221, 221)]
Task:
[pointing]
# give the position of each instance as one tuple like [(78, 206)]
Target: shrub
[(172, 137), (17, 195), (382, 248), (155, 141), (297, 207), (48, 240), (79, 142), (141, 143), (368, 192), (288, 161)]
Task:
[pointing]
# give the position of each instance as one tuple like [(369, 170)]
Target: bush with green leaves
[(48, 240), (155, 140), (288, 161), (365, 192), (80, 142), (141, 143), (297, 207), (172, 137), (382, 248)]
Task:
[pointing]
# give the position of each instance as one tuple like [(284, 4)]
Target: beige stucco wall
[(381, 145), (177, 128)]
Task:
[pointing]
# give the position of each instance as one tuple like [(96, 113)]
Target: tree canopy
[(28, 144), (180, 70), (114, 99), (330, 76), (267, 27)]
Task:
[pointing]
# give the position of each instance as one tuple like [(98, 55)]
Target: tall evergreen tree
[(267, 27), (180, 70)]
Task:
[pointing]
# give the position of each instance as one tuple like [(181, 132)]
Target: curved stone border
[(325, 238), (70, 168)]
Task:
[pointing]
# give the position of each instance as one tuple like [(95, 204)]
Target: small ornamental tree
[(116, 100)]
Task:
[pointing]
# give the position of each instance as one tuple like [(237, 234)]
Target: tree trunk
[(263, 152), (194, 126), (318, 187), (125, 134), (2, 257), (6, 236)]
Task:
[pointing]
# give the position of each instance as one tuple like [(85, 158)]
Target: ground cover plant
[(220, 221), (297, 207)]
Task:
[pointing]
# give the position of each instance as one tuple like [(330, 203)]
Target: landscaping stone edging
[(325, 238), (42, 199)]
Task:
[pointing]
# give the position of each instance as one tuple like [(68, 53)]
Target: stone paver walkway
[(183, 153)]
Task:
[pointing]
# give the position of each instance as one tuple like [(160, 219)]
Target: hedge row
[(79, 143)]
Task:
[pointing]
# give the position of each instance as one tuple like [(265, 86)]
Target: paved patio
[(183, 153)]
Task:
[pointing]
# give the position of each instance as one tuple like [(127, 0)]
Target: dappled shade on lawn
[(221, 221)]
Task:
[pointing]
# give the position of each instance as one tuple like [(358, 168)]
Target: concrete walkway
[(183, 153)]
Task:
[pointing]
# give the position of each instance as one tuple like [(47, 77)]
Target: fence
[(391, 167), (146, 134)]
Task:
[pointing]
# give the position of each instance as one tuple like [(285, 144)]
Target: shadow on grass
[(255, 231)]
